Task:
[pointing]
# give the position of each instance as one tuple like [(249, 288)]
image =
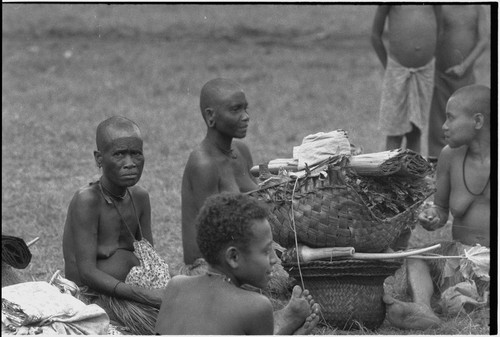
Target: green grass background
[(65, 68)]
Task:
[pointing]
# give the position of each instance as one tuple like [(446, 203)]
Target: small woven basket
[(349, 291), (329, 213)]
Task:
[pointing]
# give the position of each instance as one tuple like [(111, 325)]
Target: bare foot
[(310, 323), (415, 316), (293, 316)]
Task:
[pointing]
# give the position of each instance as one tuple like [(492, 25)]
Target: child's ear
[(232, 256), (98, 158)]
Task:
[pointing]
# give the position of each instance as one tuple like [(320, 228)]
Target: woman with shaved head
[(107, 242), (463, 189), (221, 163)]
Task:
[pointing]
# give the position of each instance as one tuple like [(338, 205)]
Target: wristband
[(114, 288)]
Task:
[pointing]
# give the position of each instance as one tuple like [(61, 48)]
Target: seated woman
[(107, 241)]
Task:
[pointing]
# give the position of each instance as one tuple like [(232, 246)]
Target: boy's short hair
[(226, 219)]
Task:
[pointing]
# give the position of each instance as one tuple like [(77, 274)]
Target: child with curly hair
[(235, 239)]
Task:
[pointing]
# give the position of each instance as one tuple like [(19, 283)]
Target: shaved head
[(475, 99), (115, 127), (216, 90)]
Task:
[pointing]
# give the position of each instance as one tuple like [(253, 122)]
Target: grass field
[(65, 68)]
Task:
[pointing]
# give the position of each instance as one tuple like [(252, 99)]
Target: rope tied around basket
[(323, 175)]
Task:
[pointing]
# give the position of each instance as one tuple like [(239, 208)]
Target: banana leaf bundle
[(394, 162)]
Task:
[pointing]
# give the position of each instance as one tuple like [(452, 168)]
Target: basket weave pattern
[(329, 213), (348, 291)]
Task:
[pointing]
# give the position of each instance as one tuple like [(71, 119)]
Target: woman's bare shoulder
[(87, 194), (200, 162), (450, 157)]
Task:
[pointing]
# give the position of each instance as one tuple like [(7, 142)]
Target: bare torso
[(459, 35), (114, 249), (471, 214), (412, 34), (209, 305), (220, 173)]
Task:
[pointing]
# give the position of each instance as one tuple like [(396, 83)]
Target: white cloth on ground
[(43, 305), (463, 297)]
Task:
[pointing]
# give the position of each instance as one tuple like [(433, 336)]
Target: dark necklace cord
[(112, 194), (228, 153), (465, 182), (224, 277)]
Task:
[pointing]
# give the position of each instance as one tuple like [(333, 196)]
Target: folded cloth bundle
[(392, 162), (29, 304), (15, 252), (462, 297), (321, 146)]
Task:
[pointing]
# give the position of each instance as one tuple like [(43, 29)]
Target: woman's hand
[(430, 219)]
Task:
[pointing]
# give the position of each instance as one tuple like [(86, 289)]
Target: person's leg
[(393, 142), (420, 281), (293, 316), (417, 315), (413, 139)]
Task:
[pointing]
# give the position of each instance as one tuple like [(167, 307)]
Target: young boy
[(409, 70), (220, 164), (107, 241), (463, 188), (235, 239), (462, 40)]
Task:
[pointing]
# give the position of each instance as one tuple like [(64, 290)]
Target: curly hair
[(225, 219)]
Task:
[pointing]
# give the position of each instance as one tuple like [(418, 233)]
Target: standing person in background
[(462, 40), (409, 70)]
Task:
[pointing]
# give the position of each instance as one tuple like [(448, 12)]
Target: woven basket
[(349, 292), (329, 213)]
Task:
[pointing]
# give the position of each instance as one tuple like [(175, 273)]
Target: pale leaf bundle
[(375, 164)]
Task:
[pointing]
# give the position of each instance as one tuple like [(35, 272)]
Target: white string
[(297, 244), (295, 234)]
